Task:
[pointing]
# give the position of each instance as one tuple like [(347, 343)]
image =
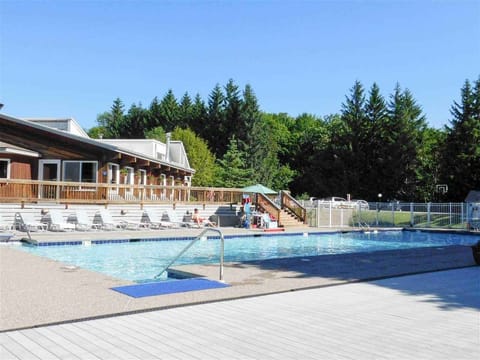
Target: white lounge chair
[(58, 223), (200, 221), (105, 219), (5, 237), (82, 222), (153, 219), (268, 223), (170, 217), (4, 225), (26, 222)]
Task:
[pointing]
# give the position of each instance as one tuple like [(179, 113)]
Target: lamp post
[(378, 206)]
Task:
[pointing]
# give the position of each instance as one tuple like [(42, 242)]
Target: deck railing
[(100, 193), (293, 206), (267, 205)]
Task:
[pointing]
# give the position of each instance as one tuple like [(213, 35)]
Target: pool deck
[(36, 291), (424, 316)]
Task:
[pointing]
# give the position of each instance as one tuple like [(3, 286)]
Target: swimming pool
[(142, 260)]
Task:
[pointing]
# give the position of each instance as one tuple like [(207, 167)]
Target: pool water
[(141, 261)]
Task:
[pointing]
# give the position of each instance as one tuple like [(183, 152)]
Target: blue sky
[(73, 58)]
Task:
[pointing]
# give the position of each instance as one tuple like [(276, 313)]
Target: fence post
[(412, 219), (318, 214), (393, 214), (466, 223), (428, 214), (450, 214)]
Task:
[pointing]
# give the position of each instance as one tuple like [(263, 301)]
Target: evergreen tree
[(350, 140), (401, 139), (185, 111), (461, 156), (233, 122), (169, 111), (233, 171), (372, 142), (215, 131), (113, 121), (199, 117), (155, 118), (135, 123), (253, 132)]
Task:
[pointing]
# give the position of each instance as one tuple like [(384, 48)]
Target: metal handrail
[(199, 237)]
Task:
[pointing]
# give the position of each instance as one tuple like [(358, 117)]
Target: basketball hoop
[(441, 188)]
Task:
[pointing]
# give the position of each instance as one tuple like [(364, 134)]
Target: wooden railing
[(267, 205), (74, 192), (293, 206)]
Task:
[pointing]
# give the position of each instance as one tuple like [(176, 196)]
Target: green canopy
[(258, 188)]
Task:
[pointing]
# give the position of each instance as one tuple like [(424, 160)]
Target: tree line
[(375, 144)]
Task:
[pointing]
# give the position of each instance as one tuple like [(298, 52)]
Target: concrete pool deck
[(36, 291)]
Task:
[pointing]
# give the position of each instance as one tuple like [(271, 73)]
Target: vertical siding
[(21, 167)]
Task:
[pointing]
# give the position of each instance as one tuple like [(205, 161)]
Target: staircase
[(288, 220)]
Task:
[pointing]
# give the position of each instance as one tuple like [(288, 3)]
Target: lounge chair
[(200, 221), (105, 219), (82, 222), (4, 225), (153, 219), (5, 237), (170, 217), (26, 222), (268, 223), (57, 222)]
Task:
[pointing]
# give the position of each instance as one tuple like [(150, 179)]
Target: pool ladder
[(364, 226), (199, 237)]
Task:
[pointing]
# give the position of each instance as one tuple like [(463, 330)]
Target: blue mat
[(168, 287)]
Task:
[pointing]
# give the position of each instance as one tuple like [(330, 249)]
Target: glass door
[(48, 170)]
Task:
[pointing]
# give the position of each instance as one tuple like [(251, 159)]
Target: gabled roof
[(25, 133)]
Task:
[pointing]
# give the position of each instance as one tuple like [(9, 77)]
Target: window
[(80, 171), (4, 169)]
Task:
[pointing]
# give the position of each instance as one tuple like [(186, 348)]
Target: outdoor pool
[(142, 260)]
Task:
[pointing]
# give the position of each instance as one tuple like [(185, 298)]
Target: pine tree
[(233, 171), (155, 118), (461, 156), (371, 137), (233, 122), (113, 121), (169, 111), (215, 131), (185, 111), (350, 147), (256, 139), (135, 123), (199, 117), (401, 138)]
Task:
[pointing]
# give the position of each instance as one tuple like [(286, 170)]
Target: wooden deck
[(427, 316)]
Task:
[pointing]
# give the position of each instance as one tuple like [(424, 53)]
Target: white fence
[(464, 216)]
